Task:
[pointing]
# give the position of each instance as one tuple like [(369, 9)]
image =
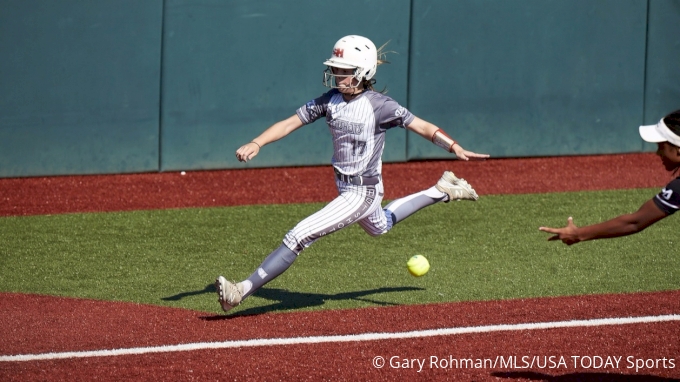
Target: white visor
[(659, 133), (338, 64)]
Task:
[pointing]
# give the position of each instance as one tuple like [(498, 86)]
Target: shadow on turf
[(582, 377), (294, 300), (210, 288)]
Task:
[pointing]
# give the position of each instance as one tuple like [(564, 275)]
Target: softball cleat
[(229, 294), (456, 188)]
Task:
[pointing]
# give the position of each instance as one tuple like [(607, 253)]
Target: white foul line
[(340, 338)]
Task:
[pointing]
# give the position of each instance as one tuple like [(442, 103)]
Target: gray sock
[(275, 264), (404, 207)]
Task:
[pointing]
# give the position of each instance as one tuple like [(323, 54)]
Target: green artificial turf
[(489, 249)]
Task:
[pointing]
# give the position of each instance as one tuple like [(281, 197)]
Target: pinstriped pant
[(355, 204)]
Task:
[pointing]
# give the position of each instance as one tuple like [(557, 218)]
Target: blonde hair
[(382, 59)]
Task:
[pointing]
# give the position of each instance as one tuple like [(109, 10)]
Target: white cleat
[(457, 189), (229, 294)]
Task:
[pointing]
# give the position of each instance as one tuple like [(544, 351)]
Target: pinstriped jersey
[(668, 200), (358, 127)]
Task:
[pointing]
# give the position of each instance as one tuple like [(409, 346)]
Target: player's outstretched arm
[(437, 136), (622, 225), (273, 133)]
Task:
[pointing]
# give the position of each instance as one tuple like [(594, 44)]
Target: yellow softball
[(418, 265)]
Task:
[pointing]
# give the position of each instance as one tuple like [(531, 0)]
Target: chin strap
[(441, 139)]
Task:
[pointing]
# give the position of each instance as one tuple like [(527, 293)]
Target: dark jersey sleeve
[(388, 112), (668, 200), (315, 108)]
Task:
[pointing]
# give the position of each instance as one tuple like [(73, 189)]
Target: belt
[(357, 180)]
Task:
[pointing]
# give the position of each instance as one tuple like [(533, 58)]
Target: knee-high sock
[(275, 264), (404, 207)]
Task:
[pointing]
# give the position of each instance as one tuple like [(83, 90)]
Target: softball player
[(358, 118), (666, 134)]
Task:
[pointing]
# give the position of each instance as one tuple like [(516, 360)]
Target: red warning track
[(95, 193), (43, 325)]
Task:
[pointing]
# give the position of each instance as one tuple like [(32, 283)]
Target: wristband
[(258, 145), (441, 139)]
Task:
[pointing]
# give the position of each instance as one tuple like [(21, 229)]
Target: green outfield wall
[(79, 86), (121, 86)]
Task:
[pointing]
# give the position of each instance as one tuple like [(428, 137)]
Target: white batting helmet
[(354, 52)]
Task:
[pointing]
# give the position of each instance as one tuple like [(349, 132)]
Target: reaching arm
[(273, 133), (427, 130), (622, 225)]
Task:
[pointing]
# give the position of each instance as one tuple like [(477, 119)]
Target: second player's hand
[(567, 234), (463, 154), (247, 151)]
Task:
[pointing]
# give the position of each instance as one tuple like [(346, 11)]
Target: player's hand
[(463, 154), (247, 151), (567, 234)]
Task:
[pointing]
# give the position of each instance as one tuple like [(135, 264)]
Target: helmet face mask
[(331, 80), (351, 52)]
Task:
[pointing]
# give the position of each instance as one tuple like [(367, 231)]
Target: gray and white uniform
[(358, 129)]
